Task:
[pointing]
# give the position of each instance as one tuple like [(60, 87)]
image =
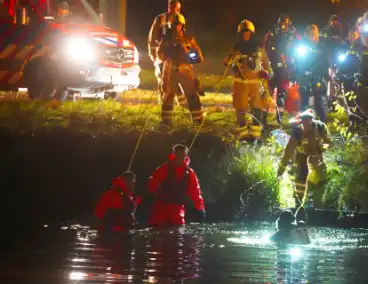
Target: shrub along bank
[(56, 160)]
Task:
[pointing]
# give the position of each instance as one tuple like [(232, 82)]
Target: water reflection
[(166, 256), (220, 253), (172, 255)]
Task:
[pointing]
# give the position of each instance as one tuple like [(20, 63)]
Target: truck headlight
[(80, 50)]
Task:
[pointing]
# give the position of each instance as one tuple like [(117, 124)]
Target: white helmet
[(246, 25)]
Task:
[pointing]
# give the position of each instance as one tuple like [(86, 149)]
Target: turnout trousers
[(247, 99), (311, 172), (182, 75), (159, 76)]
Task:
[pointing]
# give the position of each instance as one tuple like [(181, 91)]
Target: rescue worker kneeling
[(309, 139), (171, 184), (178, 55), (251, 69), (116, 208), (289, 231)]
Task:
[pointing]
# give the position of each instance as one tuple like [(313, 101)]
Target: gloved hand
[(201, 215), (264, 75), (280, 171), (324, 147)]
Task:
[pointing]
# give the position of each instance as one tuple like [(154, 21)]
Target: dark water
[(219, 253)]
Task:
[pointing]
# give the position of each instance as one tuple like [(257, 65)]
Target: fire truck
[(61, 57)]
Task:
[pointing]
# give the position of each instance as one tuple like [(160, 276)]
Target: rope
[(141, 133), (137, 145), (217, 92)]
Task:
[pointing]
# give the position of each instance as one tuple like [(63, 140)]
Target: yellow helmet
[(246, 25), (179, 19)]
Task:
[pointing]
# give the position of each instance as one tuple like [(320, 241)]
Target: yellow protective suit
[(158, 29), (309, 148), (250, 91), (177, 70)]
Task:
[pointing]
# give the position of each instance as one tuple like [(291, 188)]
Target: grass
[(210, 82), (102, 117), (253, 170)]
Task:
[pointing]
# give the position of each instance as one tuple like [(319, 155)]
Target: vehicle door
[(19, 36)]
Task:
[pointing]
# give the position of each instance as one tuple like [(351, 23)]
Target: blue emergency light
[(365, 28), (341, 58), (302, 51)]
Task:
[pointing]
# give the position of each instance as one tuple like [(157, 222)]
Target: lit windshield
[(80, 11)]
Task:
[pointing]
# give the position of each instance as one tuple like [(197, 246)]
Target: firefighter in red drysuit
[(172, 183), (116, 208)]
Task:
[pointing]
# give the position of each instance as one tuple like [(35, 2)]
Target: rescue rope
[(205, 116), (141, 133)]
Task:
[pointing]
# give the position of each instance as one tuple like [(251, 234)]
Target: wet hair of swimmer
[(286, 220)]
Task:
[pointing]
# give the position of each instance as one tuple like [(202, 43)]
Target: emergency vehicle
[(63, 57)]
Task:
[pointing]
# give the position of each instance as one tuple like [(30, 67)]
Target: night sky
[(222, 16)]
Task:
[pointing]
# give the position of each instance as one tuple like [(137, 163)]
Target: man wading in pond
[(116, 208), (310, 138), (171, 184)]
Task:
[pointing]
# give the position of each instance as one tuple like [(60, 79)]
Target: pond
[(210, 253)]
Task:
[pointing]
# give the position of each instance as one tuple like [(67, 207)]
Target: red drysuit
[(116, 208), (171, 185)]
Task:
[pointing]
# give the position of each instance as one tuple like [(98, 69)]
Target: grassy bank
[(210, 82), (96, 140)]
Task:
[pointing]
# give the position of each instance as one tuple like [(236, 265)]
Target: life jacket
[(172, 190), (124, 216), (129, 204)]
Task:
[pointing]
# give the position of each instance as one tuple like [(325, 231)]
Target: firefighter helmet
[(64, 5), (246, 25), (179, 19), (284, 19), (309, 113)]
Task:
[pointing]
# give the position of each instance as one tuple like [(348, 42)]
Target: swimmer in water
[(289, 231)]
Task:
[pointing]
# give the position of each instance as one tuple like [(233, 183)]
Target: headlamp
[(80, 50)]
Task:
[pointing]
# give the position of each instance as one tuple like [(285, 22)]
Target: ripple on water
[(217, 253)]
